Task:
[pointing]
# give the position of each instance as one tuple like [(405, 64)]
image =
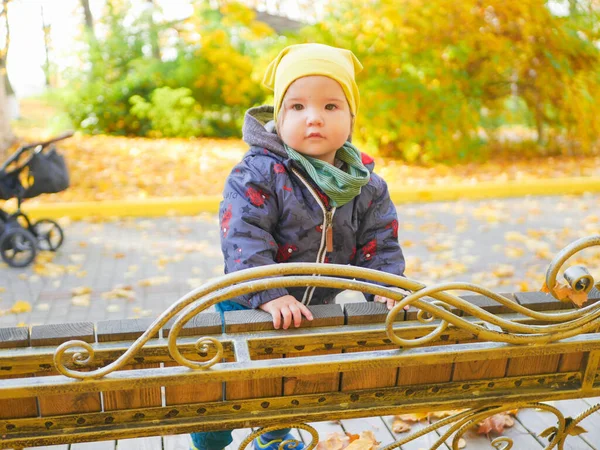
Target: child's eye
[(297, 107), (330, 107)]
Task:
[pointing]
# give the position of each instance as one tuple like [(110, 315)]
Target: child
[(304, 193)]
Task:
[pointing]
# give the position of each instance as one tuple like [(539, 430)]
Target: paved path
[(504, 245), (138, 267)]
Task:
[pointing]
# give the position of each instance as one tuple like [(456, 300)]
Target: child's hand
[(390, 301), (287, 307)]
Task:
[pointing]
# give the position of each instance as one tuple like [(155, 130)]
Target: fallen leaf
[(414, 417), (496, 423), (81, 290), (566, 293), (125, 292), (334, 441), (20, 306), (154, 281), (400, 426), (81, 300)]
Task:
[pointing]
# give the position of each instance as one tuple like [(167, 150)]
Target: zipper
[(326, 233)]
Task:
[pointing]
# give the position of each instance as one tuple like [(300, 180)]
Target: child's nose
[(314, 118)]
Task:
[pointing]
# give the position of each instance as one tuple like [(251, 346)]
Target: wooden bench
[(480, 353)]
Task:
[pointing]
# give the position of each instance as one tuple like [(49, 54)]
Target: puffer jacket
[(272, 212)]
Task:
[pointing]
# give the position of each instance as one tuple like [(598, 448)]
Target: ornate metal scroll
[(569, 323), (560, 325), (288, 444), (461, 422)]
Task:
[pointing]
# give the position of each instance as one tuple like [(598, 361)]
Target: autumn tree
[(6, 135), (437, 72)]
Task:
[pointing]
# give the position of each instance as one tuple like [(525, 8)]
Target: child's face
[(314, 118)]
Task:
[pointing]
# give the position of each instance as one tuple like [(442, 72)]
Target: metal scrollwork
[(577, 276), (461, 422), (558, 325), (287, 444), (561, 325)]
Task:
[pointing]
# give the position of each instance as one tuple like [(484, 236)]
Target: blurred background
[(453, 92), (446, 84)]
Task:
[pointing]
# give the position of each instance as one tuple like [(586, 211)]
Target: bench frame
[(503, 328)]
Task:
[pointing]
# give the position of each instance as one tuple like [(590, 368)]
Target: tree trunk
[(46, 30), (6, 135), (153, 31), (89, 20), (10, 97)]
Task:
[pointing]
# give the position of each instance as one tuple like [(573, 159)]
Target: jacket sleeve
[(377, 244), (248, 214)]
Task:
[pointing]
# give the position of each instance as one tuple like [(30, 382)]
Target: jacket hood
[(259, 130)]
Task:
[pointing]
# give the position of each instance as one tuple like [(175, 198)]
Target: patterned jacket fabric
[(272, 212)]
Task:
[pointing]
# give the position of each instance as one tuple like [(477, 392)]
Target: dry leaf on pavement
[(496, 423), (565, 293)]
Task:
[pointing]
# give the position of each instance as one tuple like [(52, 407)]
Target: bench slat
[(16, 337), (120, 330), (204, 324), (323, 315), (244, 321), (365, 313), (54, 335)]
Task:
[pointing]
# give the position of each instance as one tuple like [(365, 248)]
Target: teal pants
[(218, 440)]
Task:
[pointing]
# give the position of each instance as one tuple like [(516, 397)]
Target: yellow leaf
[(81, 300), (400, 426), (81, 290), (566, 293), (20, 306)]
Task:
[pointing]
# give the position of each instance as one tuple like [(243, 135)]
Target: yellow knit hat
[(297, 61)]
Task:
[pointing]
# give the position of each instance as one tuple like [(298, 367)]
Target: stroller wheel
[(49, 234), (18, 247)]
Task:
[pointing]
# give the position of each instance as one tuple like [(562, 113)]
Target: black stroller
[(32, 170)]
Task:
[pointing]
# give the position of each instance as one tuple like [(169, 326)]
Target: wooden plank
[(128, 330), (431, 373), (479, 370), (375, 425), (177, 442), (324, 429), (323, 315), (16, 337), (365, 313), (537, 365), (427, 373), (422, 442), (56, 334), (572, 362), (541, 301), (203, 324), (147, 443), (536, 421), (53, 335), (537, 301), (100, 445), (488, 304), (244, 321)]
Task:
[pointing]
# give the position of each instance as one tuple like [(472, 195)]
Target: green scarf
[(340, 186)]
